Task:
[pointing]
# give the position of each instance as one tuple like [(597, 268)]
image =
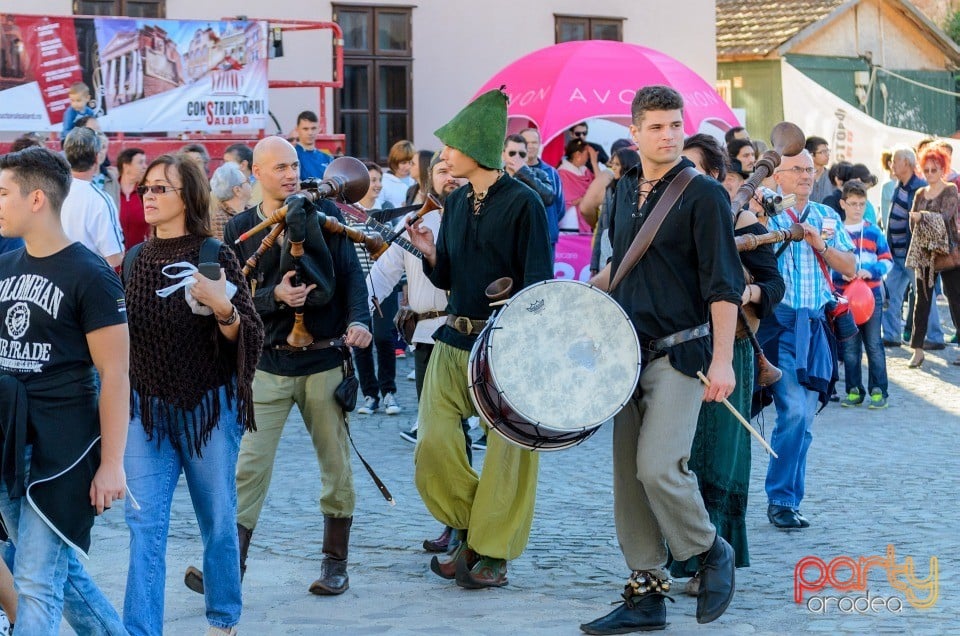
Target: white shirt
[(422, 296), (394, 190), (90, 216)]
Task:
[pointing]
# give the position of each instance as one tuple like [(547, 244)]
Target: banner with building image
[(145, 75)]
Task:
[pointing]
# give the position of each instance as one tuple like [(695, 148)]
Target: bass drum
[(556, 362)]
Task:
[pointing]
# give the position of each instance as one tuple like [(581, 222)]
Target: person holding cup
[(796, 337)]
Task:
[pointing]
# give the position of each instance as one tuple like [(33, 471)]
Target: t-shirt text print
[(48, 305), (30, 293)]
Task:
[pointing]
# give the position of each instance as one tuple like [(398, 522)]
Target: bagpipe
[(307, 253)]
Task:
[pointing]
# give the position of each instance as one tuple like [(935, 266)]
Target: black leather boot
[(716, 581), (333, 569), (642, 610), (193, 578)]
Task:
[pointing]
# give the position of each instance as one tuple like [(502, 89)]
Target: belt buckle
[(465, 327)]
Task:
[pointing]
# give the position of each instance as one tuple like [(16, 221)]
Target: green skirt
[(720, 457)]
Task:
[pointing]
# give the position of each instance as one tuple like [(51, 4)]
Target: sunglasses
[(155, 189), (514, 153), (580, 134)]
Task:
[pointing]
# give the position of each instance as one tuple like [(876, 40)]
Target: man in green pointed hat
[(493, 227)]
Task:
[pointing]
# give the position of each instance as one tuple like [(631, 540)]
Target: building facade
[(411, 66)]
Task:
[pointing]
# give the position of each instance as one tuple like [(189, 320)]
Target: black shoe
[(783, 517), (644, 613), (410, 436), (716, 581), (804, 522), (930, 345), (891, 343)]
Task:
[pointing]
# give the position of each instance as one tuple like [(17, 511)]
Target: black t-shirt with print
[(49, 304)]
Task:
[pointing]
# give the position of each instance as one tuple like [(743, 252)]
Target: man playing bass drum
[(690, 266), (493, 227)]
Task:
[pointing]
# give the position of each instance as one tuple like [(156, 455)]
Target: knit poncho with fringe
[(178, 359)]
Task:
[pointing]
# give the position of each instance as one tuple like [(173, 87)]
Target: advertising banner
[(144, 75), (572, 258)]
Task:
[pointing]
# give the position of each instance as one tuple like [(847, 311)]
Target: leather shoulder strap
[(649, 229)]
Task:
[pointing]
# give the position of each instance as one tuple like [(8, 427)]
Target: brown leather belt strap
[(427, 315), (466, 326), (313, 346)]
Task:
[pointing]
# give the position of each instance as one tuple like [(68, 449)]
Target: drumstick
[(737, 415), (497, 303)]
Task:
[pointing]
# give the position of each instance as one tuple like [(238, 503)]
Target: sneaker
[(877, 401), (401, 353), (954, 338), (853, 398), (369, 406), (410, 436), (390, 406), (412, 375), (480, 444)]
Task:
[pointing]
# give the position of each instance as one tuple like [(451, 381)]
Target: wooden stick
[(737, 415)]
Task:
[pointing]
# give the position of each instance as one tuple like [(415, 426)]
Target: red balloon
[(860, 298)]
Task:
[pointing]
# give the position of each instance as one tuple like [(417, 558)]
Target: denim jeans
[(867, 338), (897, 282), (383, 380), (153, 470), (796, 407), (49, 578)]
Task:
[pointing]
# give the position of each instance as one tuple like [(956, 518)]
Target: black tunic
[(691, 263), (348, 305), (508, 238)]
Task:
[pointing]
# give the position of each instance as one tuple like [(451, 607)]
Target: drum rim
[(492, 322)]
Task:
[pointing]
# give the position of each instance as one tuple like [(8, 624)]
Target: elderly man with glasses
[(797, 338)]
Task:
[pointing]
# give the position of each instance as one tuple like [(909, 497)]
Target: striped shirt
[(898, 224), (872, 252), (806, 287)]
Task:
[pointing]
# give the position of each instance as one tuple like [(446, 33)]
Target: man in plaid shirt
[(797, 339)]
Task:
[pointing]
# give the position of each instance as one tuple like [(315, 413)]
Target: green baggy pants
[(496, 506)]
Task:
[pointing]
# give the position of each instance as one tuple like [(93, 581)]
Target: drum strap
[(649, 229)]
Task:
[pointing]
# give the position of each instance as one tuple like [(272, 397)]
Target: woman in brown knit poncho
[(191, 377)]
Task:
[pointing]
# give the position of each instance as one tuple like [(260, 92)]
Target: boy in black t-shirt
[(62, 314)]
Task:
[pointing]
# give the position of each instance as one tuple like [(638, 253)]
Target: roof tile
[(757, 27)]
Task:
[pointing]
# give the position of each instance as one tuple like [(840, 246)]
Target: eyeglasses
[(514, 153), (798, 171), (856, 206), (155, 189), (582, 133)]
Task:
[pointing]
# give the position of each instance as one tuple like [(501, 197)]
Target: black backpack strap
[(210, 250), (128, 260)]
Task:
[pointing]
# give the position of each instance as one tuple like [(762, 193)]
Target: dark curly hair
[(654, 98), (714, 157)]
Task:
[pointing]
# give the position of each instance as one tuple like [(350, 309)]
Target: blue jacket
[(555, 210)]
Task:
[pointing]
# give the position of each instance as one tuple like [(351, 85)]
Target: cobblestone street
[(875, 478)]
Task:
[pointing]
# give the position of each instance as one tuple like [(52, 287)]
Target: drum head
[(564, 355)]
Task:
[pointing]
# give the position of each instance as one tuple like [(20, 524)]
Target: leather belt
[(427, 315), (464, 325), (662, 344), (313, 346)]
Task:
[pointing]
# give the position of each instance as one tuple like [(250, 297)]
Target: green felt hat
[(479, 129)]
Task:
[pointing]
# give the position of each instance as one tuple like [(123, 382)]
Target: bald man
[(333, 306)]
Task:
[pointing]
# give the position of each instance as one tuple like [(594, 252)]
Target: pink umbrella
[(561, 85)]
